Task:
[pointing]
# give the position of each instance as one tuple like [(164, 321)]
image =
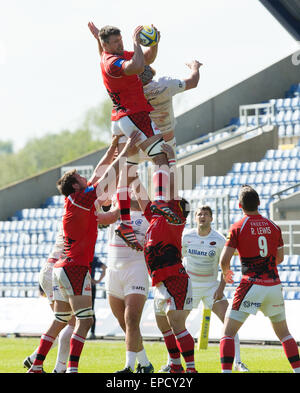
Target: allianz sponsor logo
[(210, 253)]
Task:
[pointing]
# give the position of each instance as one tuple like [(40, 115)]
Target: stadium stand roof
[(287, 12)]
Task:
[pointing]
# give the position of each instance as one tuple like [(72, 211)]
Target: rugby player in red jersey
[(120, 72), (259, 243), (173, 290), (71, 275)]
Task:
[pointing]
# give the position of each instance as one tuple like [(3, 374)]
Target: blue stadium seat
[(295, 103), (245, 167), (252, 167), (270, 154), (293, 261), (296, 116), (236, 168), (294, 90), (297, 129)]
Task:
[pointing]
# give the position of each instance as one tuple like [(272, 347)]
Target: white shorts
[(250, 298), (132, 280), (45, 279), (73, 281), (125, 126), (166, 300), (205, 294)]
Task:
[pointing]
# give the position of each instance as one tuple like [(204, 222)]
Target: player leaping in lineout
[(120, 70)]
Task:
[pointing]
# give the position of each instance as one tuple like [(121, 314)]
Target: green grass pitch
[(102, 356)]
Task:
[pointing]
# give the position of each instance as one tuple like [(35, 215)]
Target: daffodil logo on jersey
[(228, 236)]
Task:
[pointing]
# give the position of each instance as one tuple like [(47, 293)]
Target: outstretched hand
[(94, 30), (131, 144), (168, 150)]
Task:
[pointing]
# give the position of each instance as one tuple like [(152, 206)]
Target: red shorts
[(71, 280), (174, 293), (137, 121)]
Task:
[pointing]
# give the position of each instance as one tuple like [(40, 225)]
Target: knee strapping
[(63, 317), (84, 313)]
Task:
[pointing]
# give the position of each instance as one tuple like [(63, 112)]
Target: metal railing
[(290, 230), (220, 208), (279, 193), (261, 113)]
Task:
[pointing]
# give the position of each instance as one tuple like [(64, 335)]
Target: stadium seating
[(27, 238), (286, 117)]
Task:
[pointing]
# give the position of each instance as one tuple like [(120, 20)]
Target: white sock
[(130, 359), (237, 350), (63, 349), (142, 358)]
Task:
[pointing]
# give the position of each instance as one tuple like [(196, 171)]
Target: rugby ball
[(148, 36)]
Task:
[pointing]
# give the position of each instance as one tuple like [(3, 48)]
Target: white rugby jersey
[(119, 254), (201, 254), (58, 247), (159, 94)]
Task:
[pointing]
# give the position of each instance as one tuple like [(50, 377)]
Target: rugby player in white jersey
[(127, 284), (160, 93), (45, 281)]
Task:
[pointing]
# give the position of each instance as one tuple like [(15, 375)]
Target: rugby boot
[(145, 369), (176, 369), (162, 208), (125, 370), (126, 233)]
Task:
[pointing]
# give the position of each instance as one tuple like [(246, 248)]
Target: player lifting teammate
[(173, 290), (71, 275), (120, 70)]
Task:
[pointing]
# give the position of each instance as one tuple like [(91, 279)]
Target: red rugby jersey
[(257, 240), (163, 245), (80, 228), (125, 91)]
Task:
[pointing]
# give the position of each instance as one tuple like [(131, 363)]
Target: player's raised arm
[(95, 31), (168, 150), (140, 193), (113, 170), (106, 160), (192, 81), (150, 53), (137, 63)]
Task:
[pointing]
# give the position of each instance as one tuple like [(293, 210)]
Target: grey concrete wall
[(216, 113), (34, 191), (287, 208), (219, 162)]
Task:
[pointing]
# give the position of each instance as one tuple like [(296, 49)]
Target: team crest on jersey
[(212, 253), (138, 222)]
